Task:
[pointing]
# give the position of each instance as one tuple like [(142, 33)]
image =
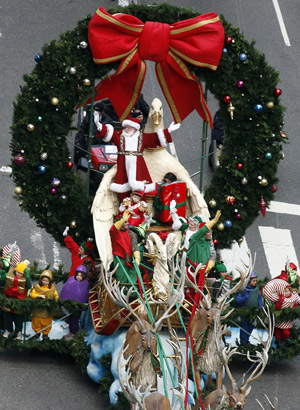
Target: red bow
[(197, 41)]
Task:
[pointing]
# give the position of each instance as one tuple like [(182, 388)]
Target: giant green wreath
[(40, 128)]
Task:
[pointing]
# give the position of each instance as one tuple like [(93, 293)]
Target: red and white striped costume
[(273, 291)]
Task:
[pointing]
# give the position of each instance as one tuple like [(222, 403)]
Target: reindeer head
[(237, 400), (148, 340)]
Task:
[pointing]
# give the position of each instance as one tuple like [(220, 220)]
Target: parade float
[(149, 325)]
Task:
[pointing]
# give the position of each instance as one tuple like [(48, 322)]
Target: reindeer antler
[(273, 406)]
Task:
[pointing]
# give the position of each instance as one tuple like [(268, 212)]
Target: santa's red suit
[(76, 258), (132, 171)]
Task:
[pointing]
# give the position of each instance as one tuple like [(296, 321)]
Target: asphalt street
[(37, 381)]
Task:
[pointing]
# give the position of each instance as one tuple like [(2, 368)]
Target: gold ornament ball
[(54, 101), (282, 155), (18, 190), (220, 226), (30, 127), (264, 182), (270, 104), (86, 82), (212, 203), (73, 224)]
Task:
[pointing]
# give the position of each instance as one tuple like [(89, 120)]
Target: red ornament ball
[(227, 99), (277, 92), (216, 242), (239, 166), (274, 188), (53, 191), (19, 159), (228, 40), (238, 216), (70, 164)]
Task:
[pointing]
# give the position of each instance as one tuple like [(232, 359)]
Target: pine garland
[(250, 136)]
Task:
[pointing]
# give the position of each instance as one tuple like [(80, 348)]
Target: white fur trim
[(131, 124), (161, 137), (120, 188), (150, 187), (109, 133)]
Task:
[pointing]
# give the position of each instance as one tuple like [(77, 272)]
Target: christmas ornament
[(282, 155), (240, 84), (228, 40), (228, 223), (69, 164), (86, 82), (53, 191), (54, 101), (274, 188), (258, 108), (270, 104), (224, 50), (83, 44), (216, 242), (283, 135), (238, 217), (42, 170), (72, 70), (39, 118), (231, 109), (277, 92), (19, 159), (30, 127), (212, 203), (263, 206), (259, 177), (239, 166), (220, 226), (268, 155), (63, 198), (44, 156), (55, 182), (264, 182), (18, 190), (244, 181), (227, 99), (37, 58), (243, 57), (230, 200), (73, 224)]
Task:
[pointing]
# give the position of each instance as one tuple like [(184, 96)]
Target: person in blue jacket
[(250, 297)]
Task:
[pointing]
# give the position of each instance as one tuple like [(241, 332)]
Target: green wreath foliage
[(249, 136)]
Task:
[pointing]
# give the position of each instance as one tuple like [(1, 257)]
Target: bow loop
[(154, 41)]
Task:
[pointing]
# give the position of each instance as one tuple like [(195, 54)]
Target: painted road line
[(37, 241), (57, 260), (6, 169), (281, 23), (279, 248), (284, 208)]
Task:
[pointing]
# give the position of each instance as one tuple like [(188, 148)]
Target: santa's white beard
[(128, 134)]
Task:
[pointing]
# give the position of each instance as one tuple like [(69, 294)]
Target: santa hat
[(132, 122)]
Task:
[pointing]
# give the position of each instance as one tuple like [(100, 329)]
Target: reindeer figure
[(161, 253), (236, 398), (206, 318)]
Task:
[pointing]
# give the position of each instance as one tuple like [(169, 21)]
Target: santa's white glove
[(97, 121), (173, 209), (65, 232), (148, 219), (173, 127)]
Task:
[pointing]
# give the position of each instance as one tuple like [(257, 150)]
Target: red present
[(177, 191)]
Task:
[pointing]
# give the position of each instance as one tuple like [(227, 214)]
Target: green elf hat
[(220, 267)]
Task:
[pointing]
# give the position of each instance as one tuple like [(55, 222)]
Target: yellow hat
[(20, 267), (46, 273)]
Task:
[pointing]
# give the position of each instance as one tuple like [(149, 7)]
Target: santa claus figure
[(136, 206), (132, 173)]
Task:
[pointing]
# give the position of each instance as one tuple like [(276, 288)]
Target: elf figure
[(79, 253), (16, 285), (42, 319), (221, 280), (136, 206), (282, 296)]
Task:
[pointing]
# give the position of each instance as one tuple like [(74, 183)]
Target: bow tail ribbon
[(182, 90)]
